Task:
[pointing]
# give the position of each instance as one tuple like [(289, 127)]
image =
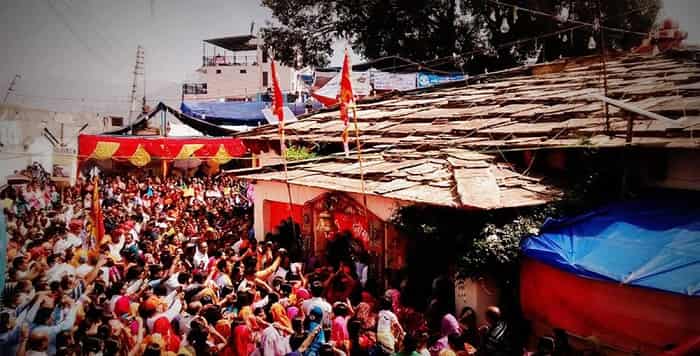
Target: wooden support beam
[(634, 109)]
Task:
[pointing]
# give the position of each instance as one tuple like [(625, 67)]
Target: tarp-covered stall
[(628, 274), (233, 113)]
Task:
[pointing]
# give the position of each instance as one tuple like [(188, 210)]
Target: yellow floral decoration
[(140, 157)]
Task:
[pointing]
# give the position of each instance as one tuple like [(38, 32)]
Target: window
[(264, 55), (244, 71), (194, 88), (218, 71), (117, 121), (265, 80)]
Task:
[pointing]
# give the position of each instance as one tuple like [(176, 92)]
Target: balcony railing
[(194, 88), (212, 61)]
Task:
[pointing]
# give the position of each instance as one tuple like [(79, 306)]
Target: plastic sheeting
[(233, 113), (628, 318), (652, 243)]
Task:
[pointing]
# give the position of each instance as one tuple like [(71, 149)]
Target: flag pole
[(278, 110), (359, 159)]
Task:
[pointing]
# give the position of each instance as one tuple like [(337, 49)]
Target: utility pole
[(143, 66), (11, 88), (138, 70)]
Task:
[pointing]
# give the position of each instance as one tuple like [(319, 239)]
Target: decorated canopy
[(187, 142), (140, 150)]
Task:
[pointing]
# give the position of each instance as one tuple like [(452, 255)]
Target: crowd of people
[(179, 271)]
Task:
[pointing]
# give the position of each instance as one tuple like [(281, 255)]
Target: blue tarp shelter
[(652, 243), (233, 113)]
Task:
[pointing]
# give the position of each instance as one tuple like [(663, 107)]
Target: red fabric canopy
[(628, 317), (167, 148)]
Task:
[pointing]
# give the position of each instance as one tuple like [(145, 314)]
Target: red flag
[(345, 99), (98, 226), (277, 103)]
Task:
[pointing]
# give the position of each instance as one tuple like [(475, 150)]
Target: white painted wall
[(477, 294), (276, 191)]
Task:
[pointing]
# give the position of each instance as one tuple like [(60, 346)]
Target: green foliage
[(296, 153), (424, 30)]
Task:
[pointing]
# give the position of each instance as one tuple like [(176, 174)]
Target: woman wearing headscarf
[(316, 337), (242, 340), (448, 326)]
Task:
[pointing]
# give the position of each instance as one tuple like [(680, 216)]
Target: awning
[(141, 150), (233, 113)]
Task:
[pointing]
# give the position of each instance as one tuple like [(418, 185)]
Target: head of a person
[(493, 314), (340, 309), (385, 303), (326, 350), (153, 349), (455, 341), (316, 288), (409, 344), (316, 315), (545, 345), (467, 319)]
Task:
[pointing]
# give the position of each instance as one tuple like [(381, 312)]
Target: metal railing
[(194, 88), (211, 61)]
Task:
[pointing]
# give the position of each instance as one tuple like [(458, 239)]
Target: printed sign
[(393, 81), (429, 79)]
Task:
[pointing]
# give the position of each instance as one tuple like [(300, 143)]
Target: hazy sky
[(66, 50)]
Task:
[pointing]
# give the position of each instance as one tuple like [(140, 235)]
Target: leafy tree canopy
[(451, 33)]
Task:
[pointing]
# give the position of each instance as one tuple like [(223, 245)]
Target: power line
[(579, 25), (568, 19), (62, 17)]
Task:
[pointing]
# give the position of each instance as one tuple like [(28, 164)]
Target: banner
[(64, 164), (393, 81), (328, 94), (429, 79)]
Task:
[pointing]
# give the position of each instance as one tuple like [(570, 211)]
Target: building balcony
[(194, 88), (213, 61)]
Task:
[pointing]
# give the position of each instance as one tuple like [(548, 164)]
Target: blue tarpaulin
[(652, 243), (233, 113)]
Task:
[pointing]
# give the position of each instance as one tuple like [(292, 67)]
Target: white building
[(236, 68), (30, 135)]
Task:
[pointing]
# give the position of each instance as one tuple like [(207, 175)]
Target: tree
[(451, 33)]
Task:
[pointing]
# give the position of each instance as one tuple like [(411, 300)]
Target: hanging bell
[(515, 14), (504, 26), (591, 43), (564, 38), (493, 15)]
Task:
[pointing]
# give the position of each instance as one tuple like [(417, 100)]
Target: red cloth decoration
[(345, 99), (160, 147), (277, 103)]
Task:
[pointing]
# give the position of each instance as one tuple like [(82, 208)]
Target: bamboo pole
[(359, 158)]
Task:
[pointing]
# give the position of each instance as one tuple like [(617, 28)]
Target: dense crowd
[(180, 272)]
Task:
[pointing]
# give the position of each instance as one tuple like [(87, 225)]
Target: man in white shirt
[(318, 300)]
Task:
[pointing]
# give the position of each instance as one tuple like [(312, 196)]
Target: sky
[(78, 55)]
